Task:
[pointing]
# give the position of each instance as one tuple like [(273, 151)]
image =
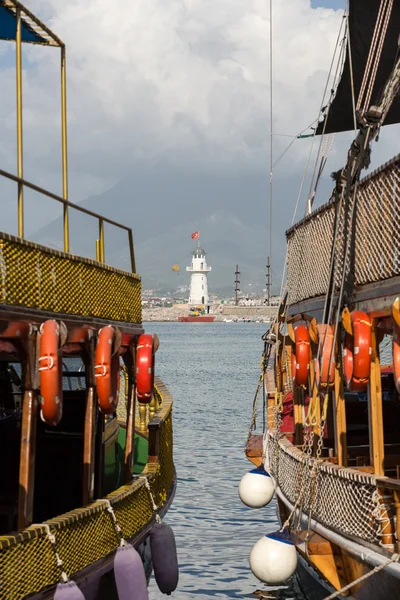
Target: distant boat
[(197, 319)]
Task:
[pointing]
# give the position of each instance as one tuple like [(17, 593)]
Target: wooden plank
[(89, 446), (375, 408), (154, 439), (298, 416), (27, 459), (323, 555), (254, 449), (340, 412), (130, 426)]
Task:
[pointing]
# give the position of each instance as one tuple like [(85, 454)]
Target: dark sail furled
[(362, 20)]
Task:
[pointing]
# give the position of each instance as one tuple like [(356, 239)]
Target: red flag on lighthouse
[(195, 235)]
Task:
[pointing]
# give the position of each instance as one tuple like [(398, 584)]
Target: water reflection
[(212, 371)]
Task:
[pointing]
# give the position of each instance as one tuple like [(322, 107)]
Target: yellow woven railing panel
[(27, 562), (33, 276)]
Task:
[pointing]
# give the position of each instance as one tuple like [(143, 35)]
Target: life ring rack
[(357, 352), (300, 356), (324, 362), (145, 361), (107, 370), (50, 373)]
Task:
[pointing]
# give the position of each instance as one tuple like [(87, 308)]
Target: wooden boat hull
[(97, 581), (327, 565)]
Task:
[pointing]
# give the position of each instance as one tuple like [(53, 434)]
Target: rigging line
[(372, 48), (271, 140), (295, 137), (353, 98), (339, 40), (381, 40)]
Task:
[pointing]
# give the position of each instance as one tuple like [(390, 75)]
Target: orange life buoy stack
[(50, 370), (145, 368), (358, 352), (324, 367), (301, 356), (107, 371)]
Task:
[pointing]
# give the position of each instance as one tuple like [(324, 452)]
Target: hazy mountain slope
[(164, 206)]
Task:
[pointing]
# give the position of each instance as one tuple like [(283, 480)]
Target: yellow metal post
[(64, 146), (132, 251), (101, 241), (19, 123)]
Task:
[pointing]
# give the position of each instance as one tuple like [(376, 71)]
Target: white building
[(198, 278)]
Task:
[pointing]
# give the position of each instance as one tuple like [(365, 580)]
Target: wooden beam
[(154, 439), (130, 421), (89, 446), (377, 451), (298, 405), (27, 459), (340, 412)]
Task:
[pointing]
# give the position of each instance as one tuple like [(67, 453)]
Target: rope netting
[(376, 239), (346, 500)]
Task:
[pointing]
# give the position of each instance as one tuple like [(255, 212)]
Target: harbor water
[(212, 370)]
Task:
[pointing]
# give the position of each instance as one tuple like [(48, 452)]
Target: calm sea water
[(212, 370)]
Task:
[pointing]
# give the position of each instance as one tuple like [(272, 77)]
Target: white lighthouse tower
[(198, 278)]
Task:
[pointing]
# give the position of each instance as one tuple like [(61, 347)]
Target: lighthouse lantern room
[(198, 278)]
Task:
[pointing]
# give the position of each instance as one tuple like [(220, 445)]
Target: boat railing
[(100, 242), (86, 535), (346, 500), (375, 239), (30, 29)]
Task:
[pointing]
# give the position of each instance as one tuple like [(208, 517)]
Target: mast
[(237, 289), (271, 136), (268, 282)]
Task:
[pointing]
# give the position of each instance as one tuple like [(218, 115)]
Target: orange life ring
[(50, 372), (396, 356), (357, 352), (324, 368), (300, 356), (107, 371), (145, 368)]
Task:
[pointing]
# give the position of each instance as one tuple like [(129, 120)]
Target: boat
[(85, 423), (328, 449), (196, 319)]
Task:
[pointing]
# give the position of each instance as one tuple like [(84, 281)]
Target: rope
[(394, 558), (155, 507), (374, 54), (52, 539), (117, 528)]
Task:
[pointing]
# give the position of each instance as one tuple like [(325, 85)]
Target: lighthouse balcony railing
[(199, 269)]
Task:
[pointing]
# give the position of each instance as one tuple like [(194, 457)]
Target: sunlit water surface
[(212, 370)]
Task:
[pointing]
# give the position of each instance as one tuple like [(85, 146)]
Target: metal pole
[(271, 133), (132, 251), (19, 124), (101, 240), (64, 146), (237, 273)]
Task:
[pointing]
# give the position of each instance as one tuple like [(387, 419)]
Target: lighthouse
[(198, 278)]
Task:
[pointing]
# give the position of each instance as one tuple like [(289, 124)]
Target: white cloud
[(182, 80)]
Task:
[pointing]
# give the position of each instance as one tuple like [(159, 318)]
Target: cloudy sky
[(178, 81)]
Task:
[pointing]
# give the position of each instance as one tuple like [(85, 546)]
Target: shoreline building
[(198, 295)]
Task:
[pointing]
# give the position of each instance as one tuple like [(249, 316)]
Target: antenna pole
[(268, 282), (237, 289), (271, 137)]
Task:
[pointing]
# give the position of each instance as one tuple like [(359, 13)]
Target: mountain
[(164, 206)]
